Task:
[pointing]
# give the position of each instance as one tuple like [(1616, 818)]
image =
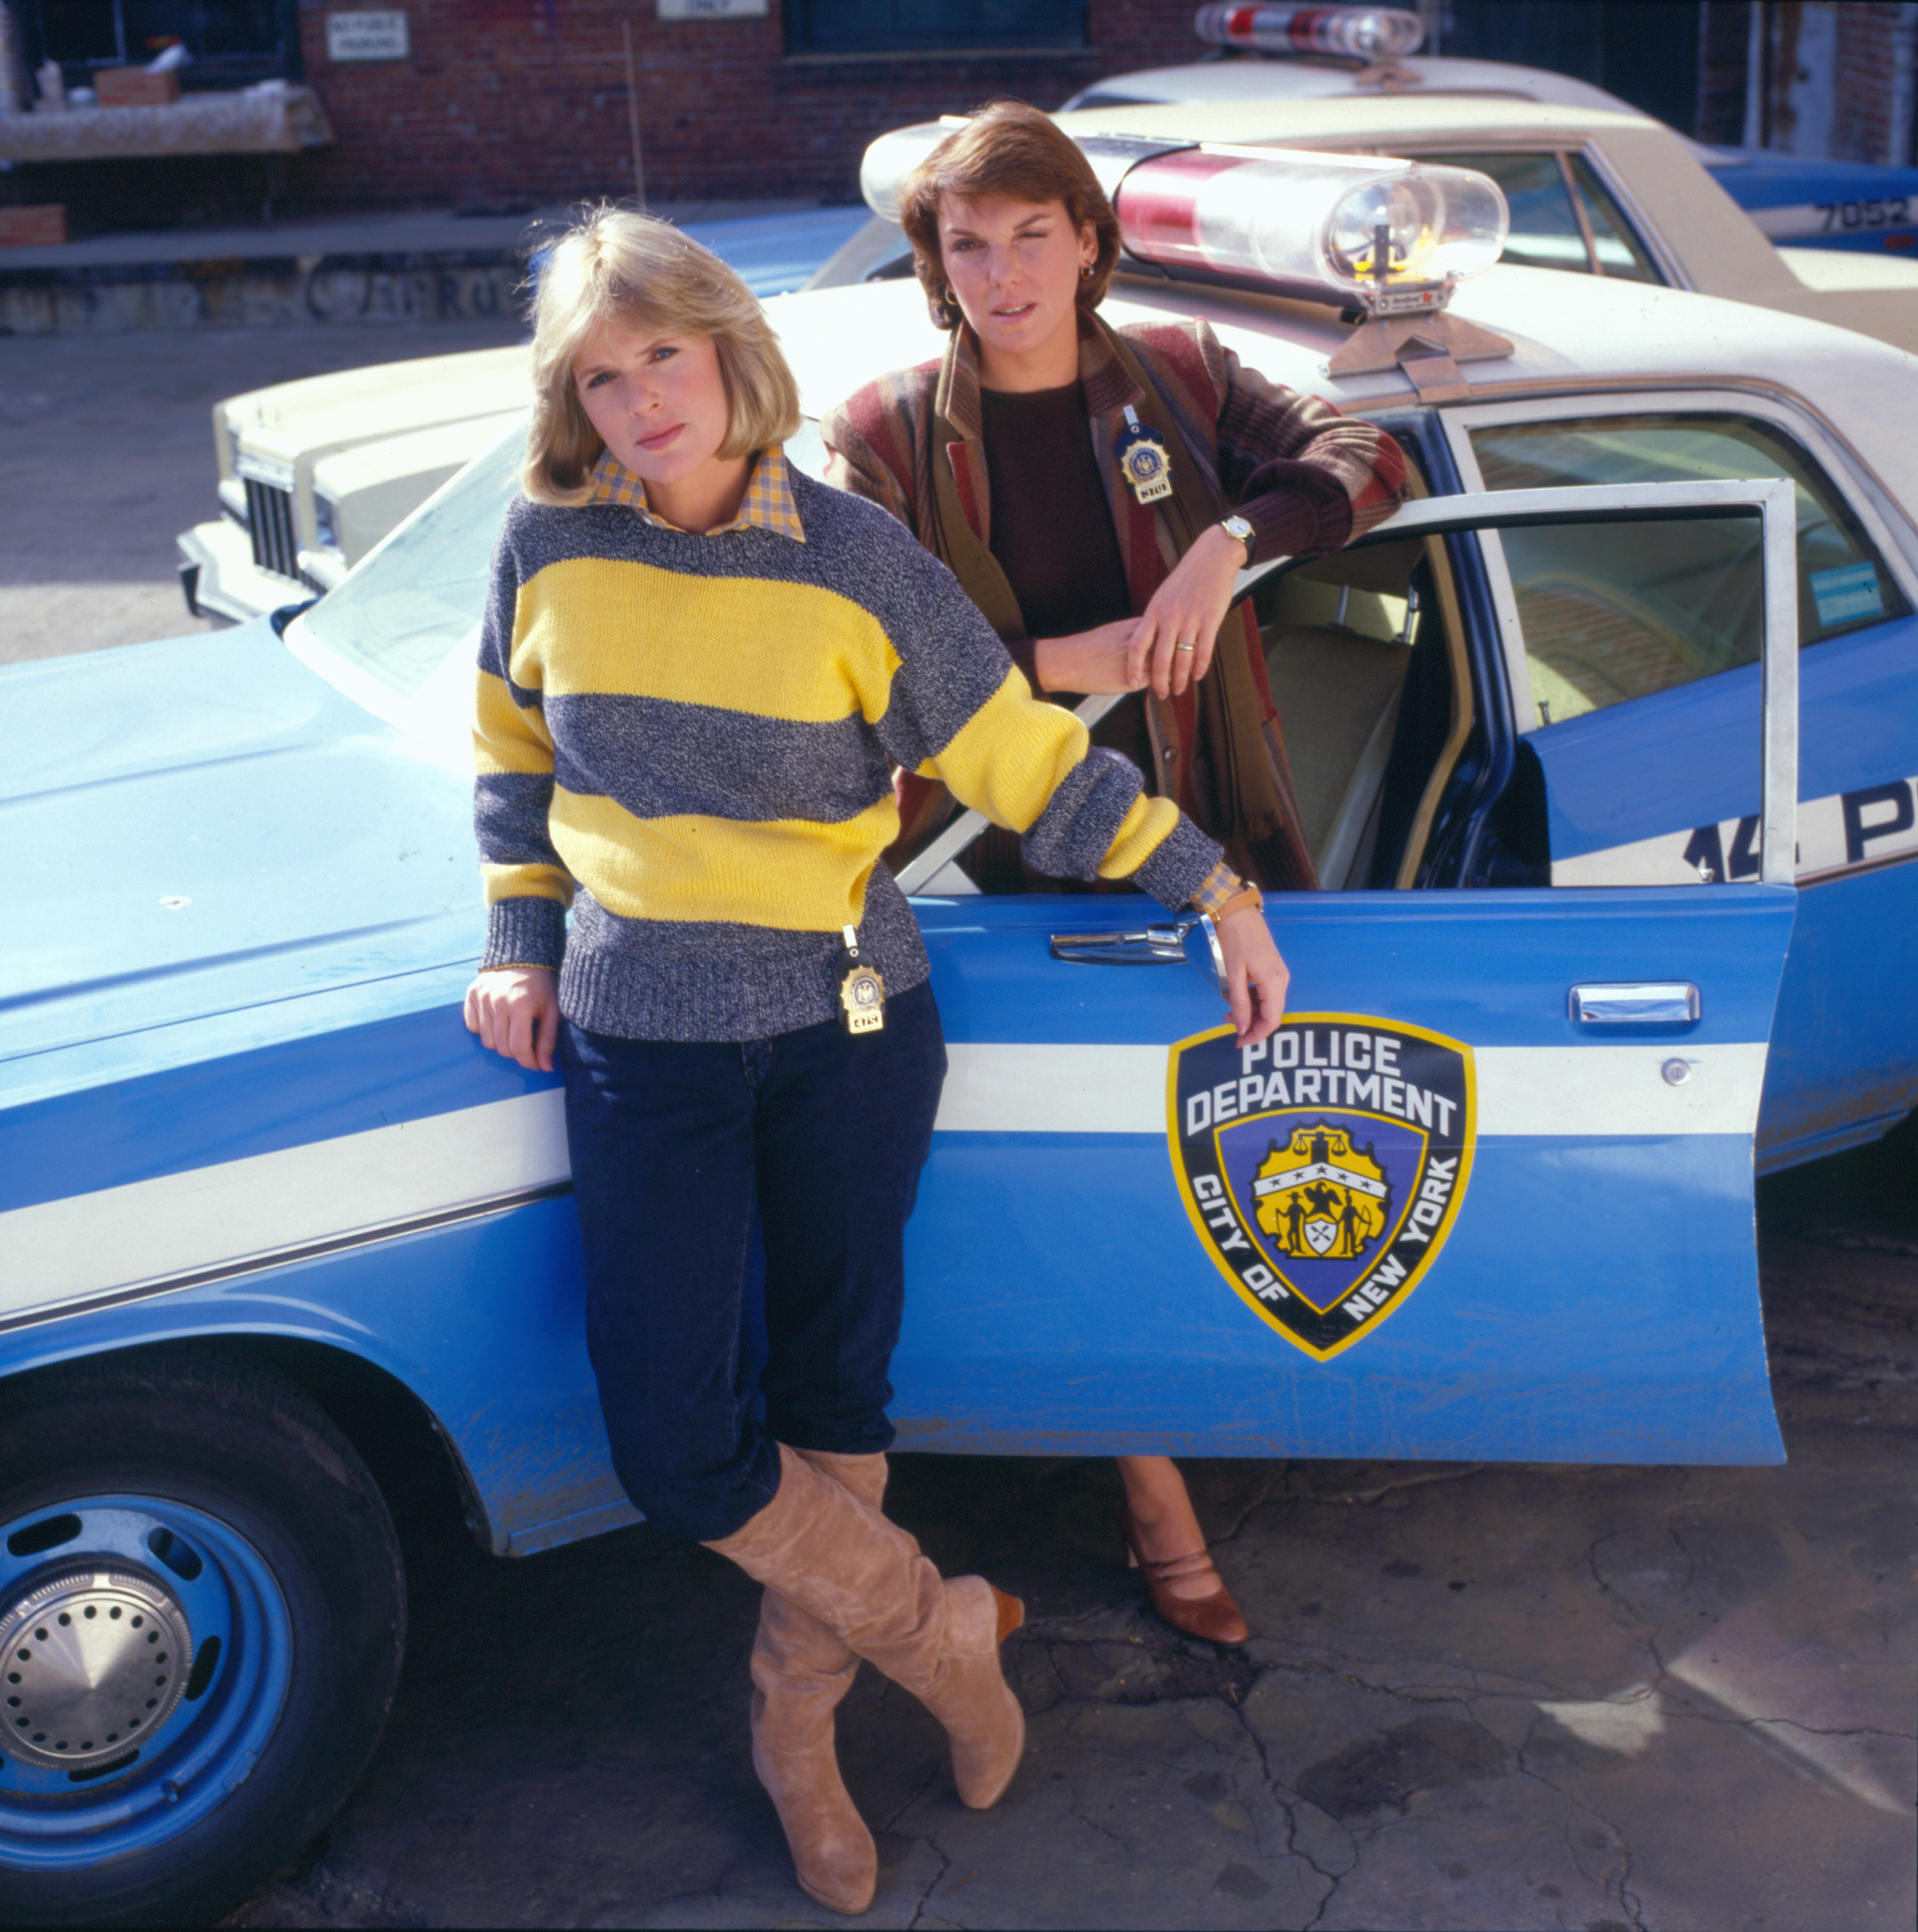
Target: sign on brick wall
[(712, 10), (380, 36)]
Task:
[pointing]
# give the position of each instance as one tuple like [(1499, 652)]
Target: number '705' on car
[(1604, 749)]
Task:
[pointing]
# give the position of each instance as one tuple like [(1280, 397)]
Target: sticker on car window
[(1847, 592), (1323, 1168)]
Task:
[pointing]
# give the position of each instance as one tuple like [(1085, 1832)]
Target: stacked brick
[(1871, 112)]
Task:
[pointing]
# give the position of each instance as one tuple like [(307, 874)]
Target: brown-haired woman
[(1002, 457)]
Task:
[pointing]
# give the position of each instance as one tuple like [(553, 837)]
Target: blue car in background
[(1612, 913), (1800, 202)]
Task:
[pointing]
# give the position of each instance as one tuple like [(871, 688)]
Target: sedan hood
[(195, 827)]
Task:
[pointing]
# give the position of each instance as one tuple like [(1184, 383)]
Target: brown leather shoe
[(1214, 1616)]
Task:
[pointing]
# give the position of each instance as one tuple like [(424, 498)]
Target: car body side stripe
[(256, 1209), (1557, 1092), (236, 1217)]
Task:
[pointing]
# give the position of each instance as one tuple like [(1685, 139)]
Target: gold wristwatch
[(1237, 526)]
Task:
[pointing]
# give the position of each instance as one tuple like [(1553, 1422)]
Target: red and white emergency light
[(1360, 33), (1389, 236), (1392, 238)]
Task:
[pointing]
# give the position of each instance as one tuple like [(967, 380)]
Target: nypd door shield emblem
[(1323, 1168)]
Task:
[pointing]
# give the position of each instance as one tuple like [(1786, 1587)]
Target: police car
[(1594, 187), (1293, 53), (1604, 746)]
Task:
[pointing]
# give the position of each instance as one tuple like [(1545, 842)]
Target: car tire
[(186, 1507)]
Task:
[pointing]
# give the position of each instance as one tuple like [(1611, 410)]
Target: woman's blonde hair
[(615, 266), (1008, 147)]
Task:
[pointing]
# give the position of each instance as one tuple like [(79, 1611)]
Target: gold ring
[(1185, 647)]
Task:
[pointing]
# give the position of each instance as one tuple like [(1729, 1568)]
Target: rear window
[(1562, 215)]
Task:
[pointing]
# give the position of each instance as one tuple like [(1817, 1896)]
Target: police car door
[(1603, 701), (1486, 1193)]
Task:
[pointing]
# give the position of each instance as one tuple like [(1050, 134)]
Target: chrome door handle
[(1642, 1003), (1157, 946)]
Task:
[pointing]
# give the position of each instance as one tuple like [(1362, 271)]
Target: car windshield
[(418, 597), (396, 618)]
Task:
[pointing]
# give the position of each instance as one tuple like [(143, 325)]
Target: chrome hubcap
[(93, 1661)]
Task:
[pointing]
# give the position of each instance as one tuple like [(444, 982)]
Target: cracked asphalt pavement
[(1482, 1697)]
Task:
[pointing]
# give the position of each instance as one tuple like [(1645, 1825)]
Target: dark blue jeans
[(673, 1145)]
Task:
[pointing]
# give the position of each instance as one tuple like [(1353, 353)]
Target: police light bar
[(893, 157), (1360, 33), (1391, 237)]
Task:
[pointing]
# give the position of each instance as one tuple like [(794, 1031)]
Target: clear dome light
[(893, 157), (1311, 224), (1360, 33)]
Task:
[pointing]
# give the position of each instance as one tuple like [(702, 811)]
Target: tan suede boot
[(864, 1578), (800, 1671)]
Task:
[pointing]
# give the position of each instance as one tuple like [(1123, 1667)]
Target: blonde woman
[(1002, 458), (698, 670)]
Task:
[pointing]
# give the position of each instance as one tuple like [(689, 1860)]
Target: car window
[(1620, 252), (1562, 217), (397, 616), (1611, 612), (1545, 232)]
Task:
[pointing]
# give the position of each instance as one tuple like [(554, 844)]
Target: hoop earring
[(950, 311), (1088, 271)]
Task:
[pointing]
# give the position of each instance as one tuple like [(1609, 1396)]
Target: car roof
[(1569, 334), (1347, 120), (1295, 79), (1711, 242)]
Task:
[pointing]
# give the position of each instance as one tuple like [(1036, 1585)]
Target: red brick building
[(507, 102), (1811, 77), (510, 104)]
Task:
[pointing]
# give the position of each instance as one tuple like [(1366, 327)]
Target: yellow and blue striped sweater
[(690, 739)]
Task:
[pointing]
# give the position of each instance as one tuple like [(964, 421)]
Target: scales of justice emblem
[(1324, 1168), (1320, 1195)]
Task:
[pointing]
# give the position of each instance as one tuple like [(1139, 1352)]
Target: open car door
[(1486, 1193)]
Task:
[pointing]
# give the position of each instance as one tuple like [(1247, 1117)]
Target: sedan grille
[(270, 522)]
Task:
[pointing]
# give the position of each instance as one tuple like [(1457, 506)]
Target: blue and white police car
[(1607, 748)]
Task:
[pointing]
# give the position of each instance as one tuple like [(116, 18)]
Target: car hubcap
[(93, 1661)]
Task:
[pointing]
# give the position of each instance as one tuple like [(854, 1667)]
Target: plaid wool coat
[(1307, 478)]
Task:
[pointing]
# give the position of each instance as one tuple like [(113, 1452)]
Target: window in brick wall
[(909, 27), (232, 43)]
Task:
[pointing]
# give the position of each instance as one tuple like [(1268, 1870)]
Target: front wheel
[(202, 1615)]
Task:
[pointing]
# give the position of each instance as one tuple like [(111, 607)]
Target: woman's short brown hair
[(1010, 148), (616, 266)]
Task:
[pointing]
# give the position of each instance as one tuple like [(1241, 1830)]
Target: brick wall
[(512, 102), (1869, 120), (1842, 87)]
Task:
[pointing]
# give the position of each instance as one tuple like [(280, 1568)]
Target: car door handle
[(1640, 1002), (1157, 946)]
